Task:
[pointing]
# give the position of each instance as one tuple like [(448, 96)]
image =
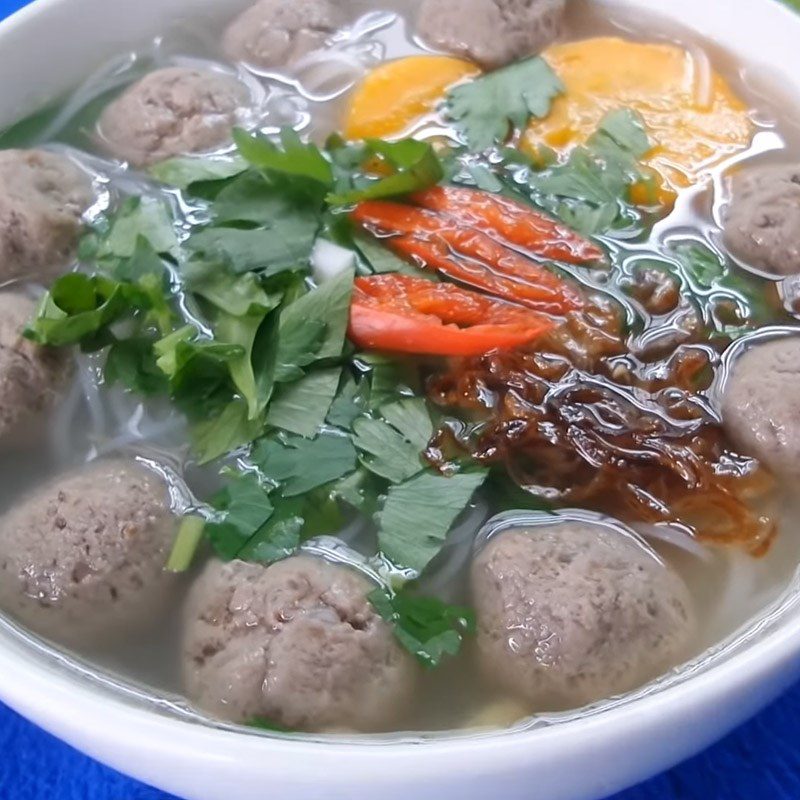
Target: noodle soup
[(380, 374)]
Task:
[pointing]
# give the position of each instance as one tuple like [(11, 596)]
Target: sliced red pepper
[(403, 314), (467, 255), (510, 221)]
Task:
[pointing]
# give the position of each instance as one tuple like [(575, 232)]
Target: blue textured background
[(760, 760)]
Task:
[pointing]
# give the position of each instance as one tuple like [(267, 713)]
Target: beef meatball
[(31, 377), (762, 221), (296, 643), (42, 198), (275, 33), (173, 111), (83, 556), (492, 32), (572, 612), (761, 404)]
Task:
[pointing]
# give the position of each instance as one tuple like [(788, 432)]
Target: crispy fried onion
[(642, 450)]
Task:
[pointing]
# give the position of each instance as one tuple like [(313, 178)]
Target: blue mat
[(760, 760)]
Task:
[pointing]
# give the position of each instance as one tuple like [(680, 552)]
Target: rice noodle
[(110, 76), (87, 377), (132, 436), (702, 83)]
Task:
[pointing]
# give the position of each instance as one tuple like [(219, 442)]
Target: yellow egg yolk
[(397, 94), (693, 118)]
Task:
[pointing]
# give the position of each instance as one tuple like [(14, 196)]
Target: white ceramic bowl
[(49, 47)]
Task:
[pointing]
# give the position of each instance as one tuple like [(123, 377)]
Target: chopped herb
[(591, 190), (313, 327), (296, 159), (190, 534), (277, 538), (286, 245), (143, 262), (240, 295), (301, 407), (427, 627), (244, 507), (225, 431), (350, 403), (390, 378), (183, 171), (79, 307), (299, 465), (486, 109), (392, 446), (419, 513), (132, 363), (139, 217), (198, 370), (415, 166)]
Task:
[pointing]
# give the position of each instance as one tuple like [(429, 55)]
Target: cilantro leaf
[(245, 507), (237, 295), (285, 245), (425, 626), (301, 407), (296, 159), (242, 331), (143, 262), (225, 431), (350, 403), (485, 109), (132, 362), (183, 171), (419, 513), (358, 490), (79, 306), (590, 191), (702, 265), (198, 370), (276, 539), (145, 217), (415, 164), (391, 447), (313, 327), (299, 465), (390, 377)]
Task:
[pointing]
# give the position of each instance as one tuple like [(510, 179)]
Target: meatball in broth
[(492, 32), (42, 198), (173, 111), (31, 377), (297, 644), (571, 612), (276, 33), (760, 404), (762, 222), (84, 556)]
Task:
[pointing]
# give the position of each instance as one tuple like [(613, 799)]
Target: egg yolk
[(398, 93), (693, 118)]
